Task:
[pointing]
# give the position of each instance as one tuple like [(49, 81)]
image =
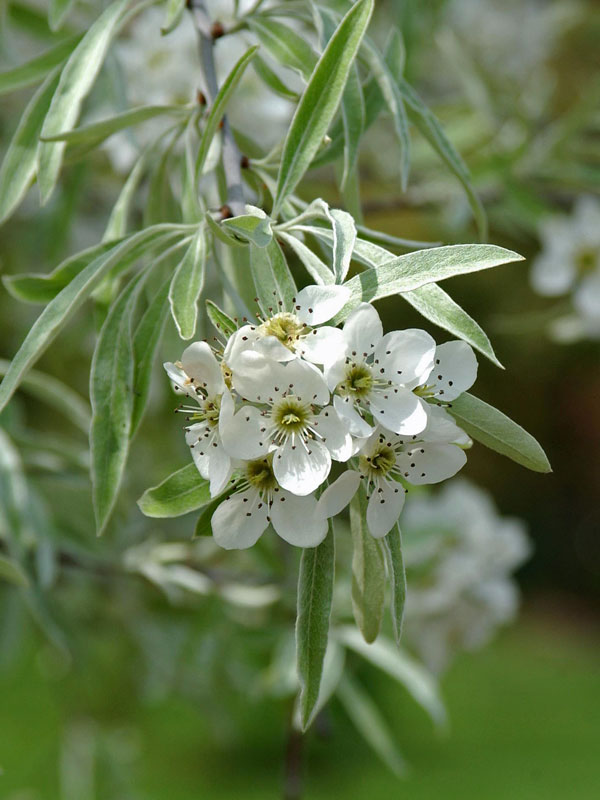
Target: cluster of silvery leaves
[(219, 213)]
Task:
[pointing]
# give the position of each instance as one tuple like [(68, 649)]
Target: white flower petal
[(363, 330), (323, 346), (271, 347), (243, 435), (384, 508), (305, 382), (301, 469), (337, 496), (238, 522), (199, 362), (399, 410), (243, 339), (454, 371), (258, 378), (335, 434), (552, 273), (405, 357), (317, 304), (442, 428), (431, 462), (219, 468), (180, 381), (334, 372), (356, 424), (197, 437), (587, 297), (295, 519)]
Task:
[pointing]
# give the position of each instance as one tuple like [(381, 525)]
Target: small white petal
[(219, 468), (363, 330), (399, 410), (405, 357), (243, 435), (180, 381), (384, 508), (295, 519), (258, 378), (240, 341), (337, 496), (323, 346), (334, 372), (356, 424), (199, 362), (238, 522), (301, 469), (442, 428), (271, 347), (553, 273), (305, 382), (454, 371), (431, 462), (335, 434), (317, 304)]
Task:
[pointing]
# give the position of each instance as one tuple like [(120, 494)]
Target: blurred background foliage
[(111, 688)]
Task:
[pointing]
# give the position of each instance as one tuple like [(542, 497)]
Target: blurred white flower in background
[(569, 262), (460, 556)]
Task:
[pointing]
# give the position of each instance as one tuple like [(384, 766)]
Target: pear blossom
[(284, 334), (200, 376), (258, 500), (387, 460), (293, 420)]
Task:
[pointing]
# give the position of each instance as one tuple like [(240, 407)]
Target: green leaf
[(498, 432), (219, 105), (272, 277), (76, 80), (222, 234), (251, 227), (58, 11), (353, 119), (35, 71), (20, 162), (317, 269), (344, 236), (182, 492), (220, 319), (145, 341), (394, 241), (272, 80), (97, 132), (56, 394), (186, 286), (284, 44), (117, 223), (368, 571), (427, 123), (204, 522), (413, 270), (370, 723), (397, 574), (315, 592), (111, 395), (173, 14), (385, 655), (320, 100), (11, 571), (67, 301), (161, 204)]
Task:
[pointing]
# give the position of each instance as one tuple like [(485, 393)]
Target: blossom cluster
[(288, 404)]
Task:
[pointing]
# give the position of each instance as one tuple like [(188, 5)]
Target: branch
[(232, 158)]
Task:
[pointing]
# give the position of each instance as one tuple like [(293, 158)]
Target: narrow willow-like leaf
[(161, 204), (58, 10), (353, 118), (76, 80), (498, 432), (251, 228), (12, 571), (173, 15), (284, 44), (382, 238), (315, 592), (385, 655), (219, 105), (67, 301), (368, 571), (20, 162), (397, 575), (186, 286), (97, 132), (320, 100), (272, 80), (117, 222), (36, 288), (370, 723), (35, 71), (429, 126), (412, 270), (220, 319), (344, 236), (111, 395), (56, 394), (317, 269), (272, 277), (145, 341), (182, 492), (333, 670)]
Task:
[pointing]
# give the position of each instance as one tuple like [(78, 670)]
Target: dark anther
[(226, 212), (200, 98), (244, 162), (217, 30)]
